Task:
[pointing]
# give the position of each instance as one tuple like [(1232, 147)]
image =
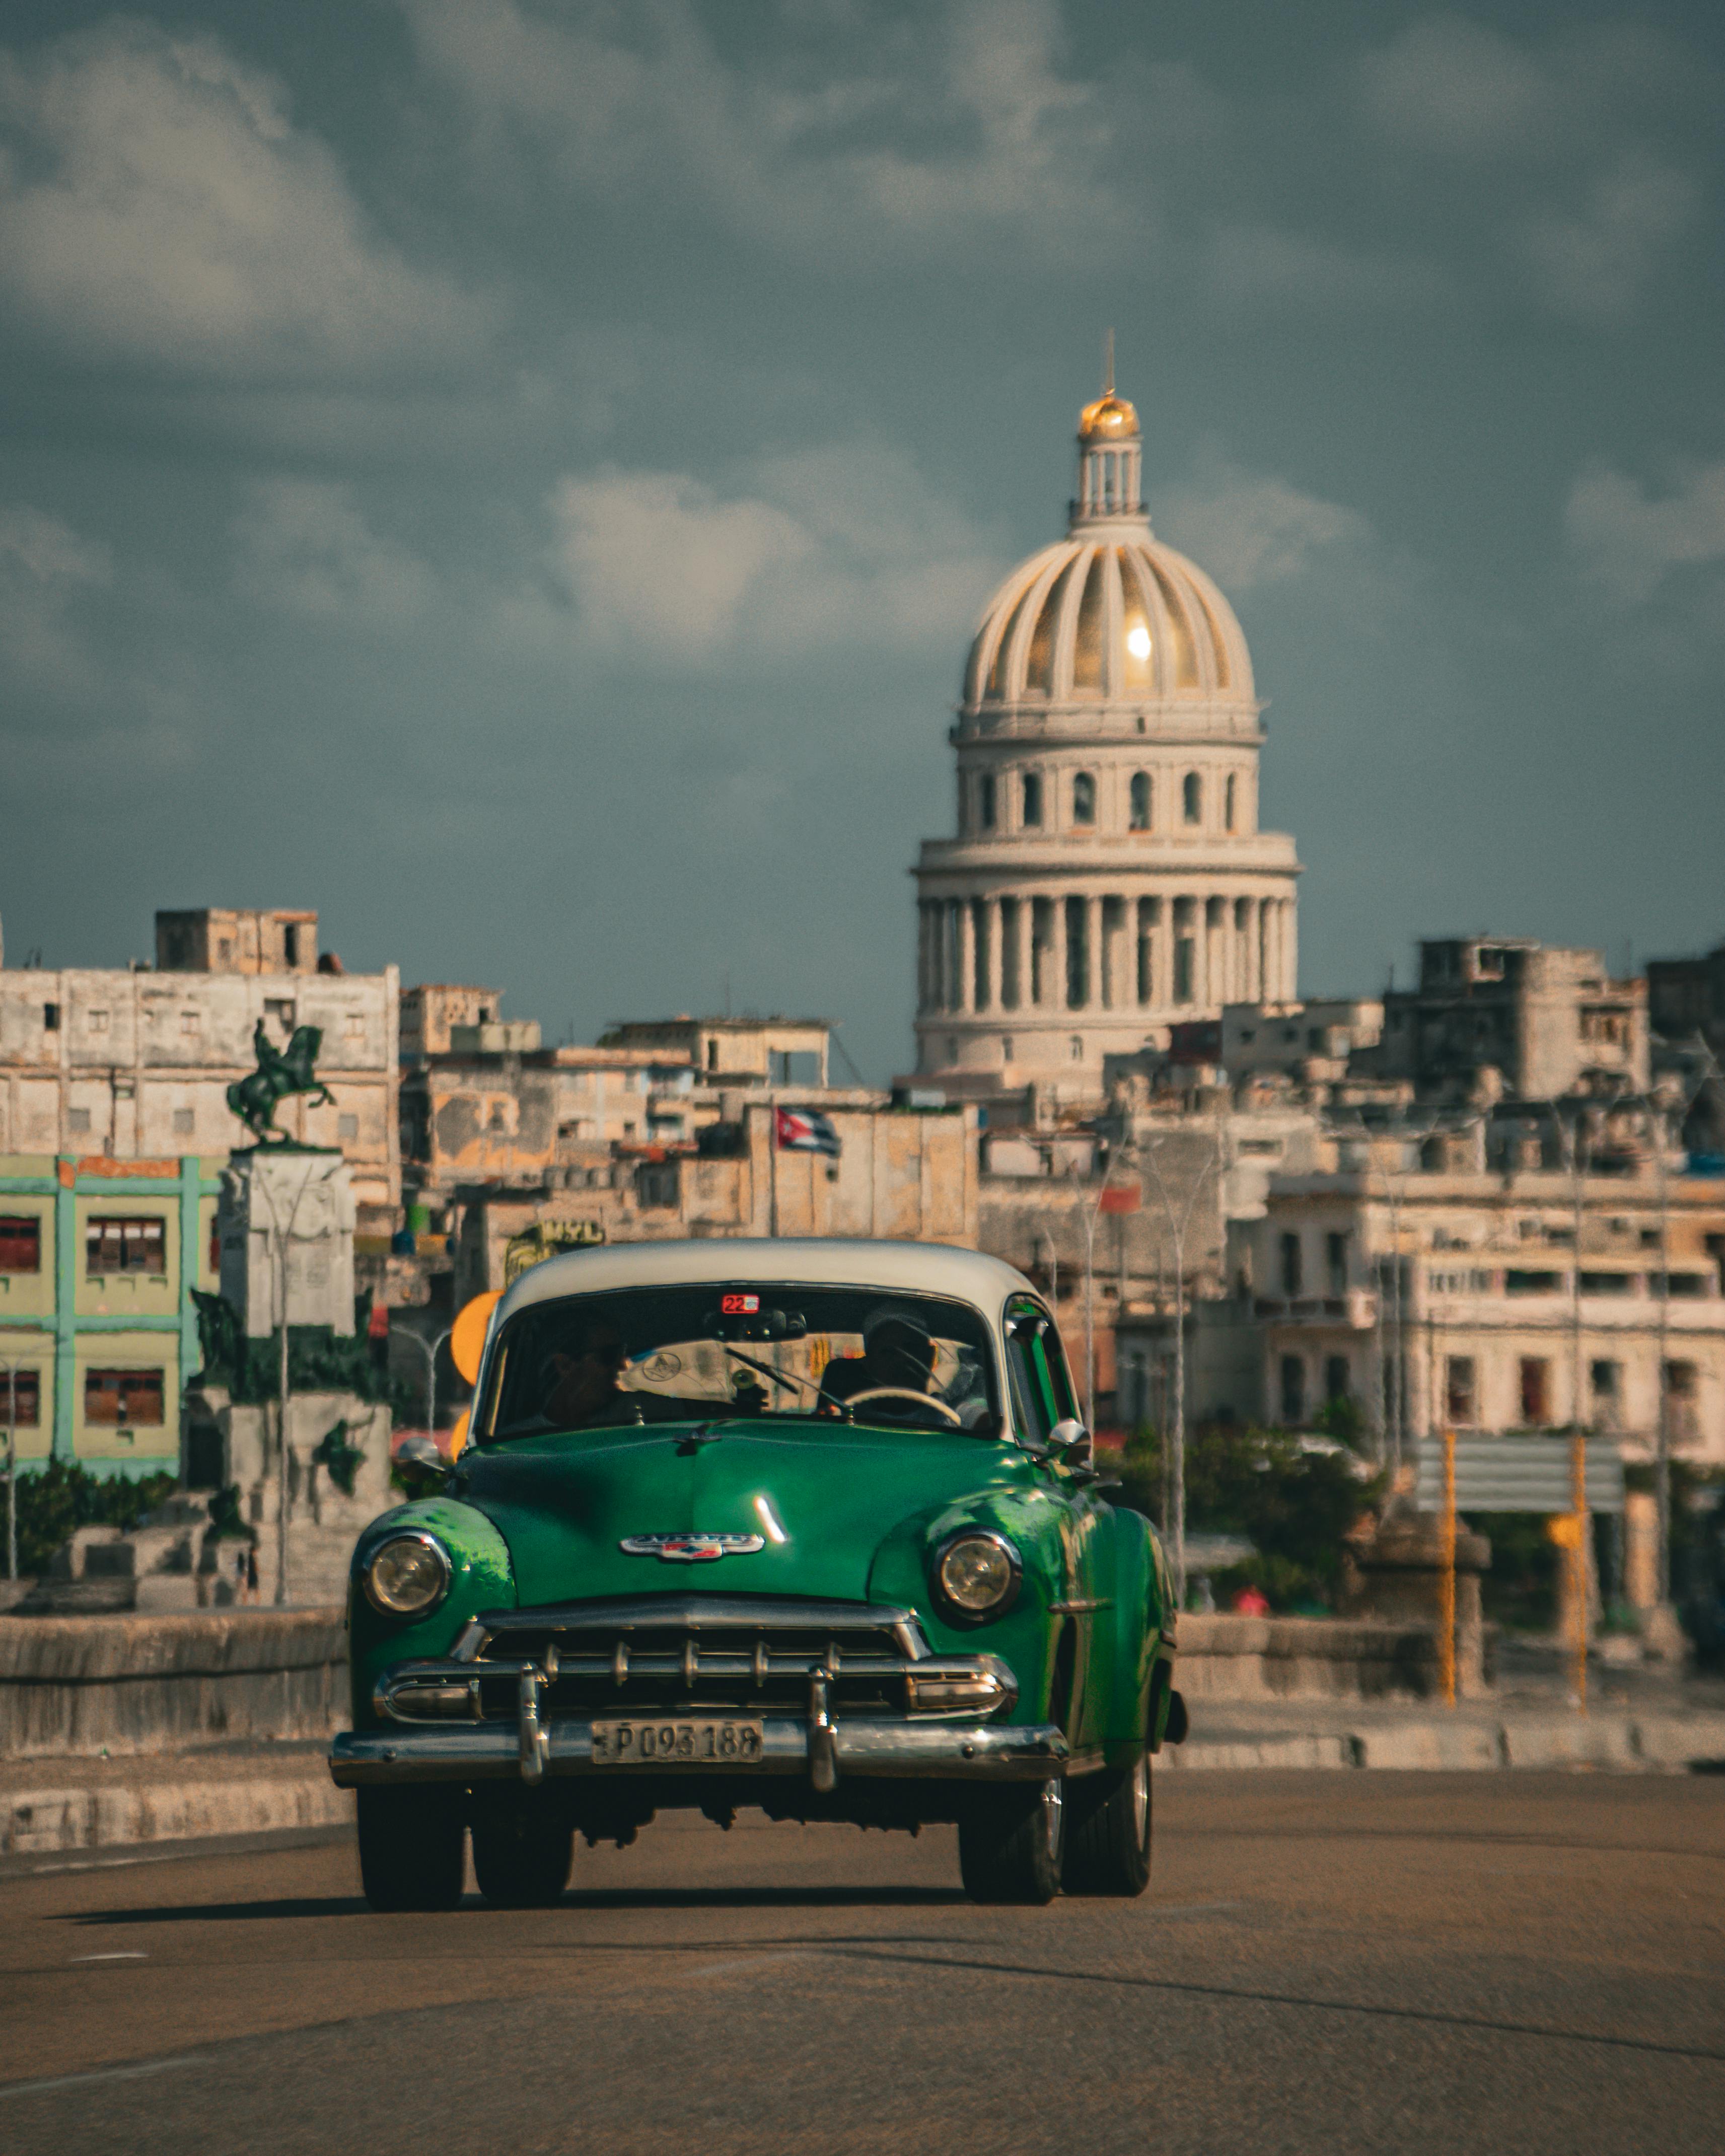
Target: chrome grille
[(673, 1653)]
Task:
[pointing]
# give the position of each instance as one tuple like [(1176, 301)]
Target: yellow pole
[(1579, 1559), (1446, 1578)]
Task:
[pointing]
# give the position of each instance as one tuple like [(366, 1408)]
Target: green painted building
[(98, 1261)]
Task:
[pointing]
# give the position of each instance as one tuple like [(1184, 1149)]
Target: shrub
[(60, 1496), (1295, 1506)]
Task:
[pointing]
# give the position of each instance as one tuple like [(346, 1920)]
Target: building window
[(20, 1244), (1536, 1392), (1192, 797), (185, 1122), (1141, 801), (1461, 1395), (1074, 1048), (290, 942), (657, 1184), (1338, 1378), (123, 1397), (124, 1245), (1293, 1389), (1682, 1390), (1183, 970), (1604, 1382), (712, 1055), (21, 1399), (985, 800), (1291, 1268), (347, 1126), (1006, 1047), (191, 1022), (77, 1122), (1084, 797), (1227, 799), (50, 1018), (1033, 799), (1336, 1261), (95, 1021)]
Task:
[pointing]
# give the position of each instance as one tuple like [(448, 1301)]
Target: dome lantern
[(1110, 456)]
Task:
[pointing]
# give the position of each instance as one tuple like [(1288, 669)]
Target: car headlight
[(407, 1575), (976, 1574)]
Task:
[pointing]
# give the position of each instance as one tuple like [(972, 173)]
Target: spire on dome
[(1109, 450)]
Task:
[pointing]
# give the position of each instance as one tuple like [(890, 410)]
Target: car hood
[(821, 1499)]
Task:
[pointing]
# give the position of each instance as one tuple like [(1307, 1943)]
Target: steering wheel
[(904, 1392)]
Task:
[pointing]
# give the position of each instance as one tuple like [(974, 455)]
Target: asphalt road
[(1324, 1962)]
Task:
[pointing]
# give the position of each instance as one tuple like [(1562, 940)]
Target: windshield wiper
[(777, 1376)]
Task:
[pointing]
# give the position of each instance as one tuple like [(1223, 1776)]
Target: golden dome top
[(1110, 418)]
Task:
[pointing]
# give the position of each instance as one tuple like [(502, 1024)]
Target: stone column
[(1291, 946), (1022, 930), (1057, 956), (1092, 953), (1254, 978), (966, 999)]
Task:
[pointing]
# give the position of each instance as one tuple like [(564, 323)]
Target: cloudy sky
[(519, 475)]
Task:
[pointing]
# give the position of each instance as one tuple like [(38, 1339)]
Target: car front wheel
[(1108, 1828), (1010, 1843), (522, 1852), (411, 1848)]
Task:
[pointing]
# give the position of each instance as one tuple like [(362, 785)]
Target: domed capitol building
[(1108, 877)]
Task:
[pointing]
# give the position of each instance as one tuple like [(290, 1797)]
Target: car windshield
[(689, 1354)]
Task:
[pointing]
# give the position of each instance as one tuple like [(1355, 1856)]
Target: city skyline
[(523, 480)]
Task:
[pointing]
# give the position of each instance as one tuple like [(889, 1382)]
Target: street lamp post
[(11, 1370), (428, 1350), (1175, 1482)]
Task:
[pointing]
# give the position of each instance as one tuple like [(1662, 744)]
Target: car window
[(1033, 1399), (775, 1349)]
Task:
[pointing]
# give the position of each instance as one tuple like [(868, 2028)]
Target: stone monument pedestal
[(1400, 1578)]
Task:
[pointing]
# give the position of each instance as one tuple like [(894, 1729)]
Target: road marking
[(107, 2074), (124, 1954)]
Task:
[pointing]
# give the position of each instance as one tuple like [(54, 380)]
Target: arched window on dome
[(1192, 797), (1084, 797), (1033, 800), (1228, 801), (1141, 801), (985, 800)]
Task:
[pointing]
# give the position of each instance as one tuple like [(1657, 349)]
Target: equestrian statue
[(280, 1072)]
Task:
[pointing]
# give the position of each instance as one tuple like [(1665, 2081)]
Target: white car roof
[(816, 1261)]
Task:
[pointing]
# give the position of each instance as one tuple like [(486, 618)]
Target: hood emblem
[(691, 1548)]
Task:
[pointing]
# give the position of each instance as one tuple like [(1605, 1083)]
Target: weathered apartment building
[(1548, 1020), (136, 1064), (898, 1173), (98, 1331), (1437, 1294)]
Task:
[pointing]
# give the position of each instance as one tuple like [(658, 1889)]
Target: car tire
[(411, 1848), (521, 1854), (1109, 1825), (1011, 1842)]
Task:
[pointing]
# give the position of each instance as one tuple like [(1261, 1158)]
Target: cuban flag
[(806, 1130)]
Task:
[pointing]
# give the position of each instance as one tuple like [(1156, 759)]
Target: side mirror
[(1071, 1443), (420, 1467)]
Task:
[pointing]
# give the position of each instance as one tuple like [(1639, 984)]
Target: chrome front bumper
[(981, 1752)]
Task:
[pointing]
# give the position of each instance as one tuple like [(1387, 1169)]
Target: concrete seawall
[(73, 1686), (1269, 1658)]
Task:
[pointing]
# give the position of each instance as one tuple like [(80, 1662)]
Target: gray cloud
[(160, 205)]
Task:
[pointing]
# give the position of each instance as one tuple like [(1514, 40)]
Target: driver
[(897, 1353)]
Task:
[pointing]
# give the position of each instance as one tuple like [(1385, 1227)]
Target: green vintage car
[(808, 1525)]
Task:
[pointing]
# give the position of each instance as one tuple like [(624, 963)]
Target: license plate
[(649, 1742)]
